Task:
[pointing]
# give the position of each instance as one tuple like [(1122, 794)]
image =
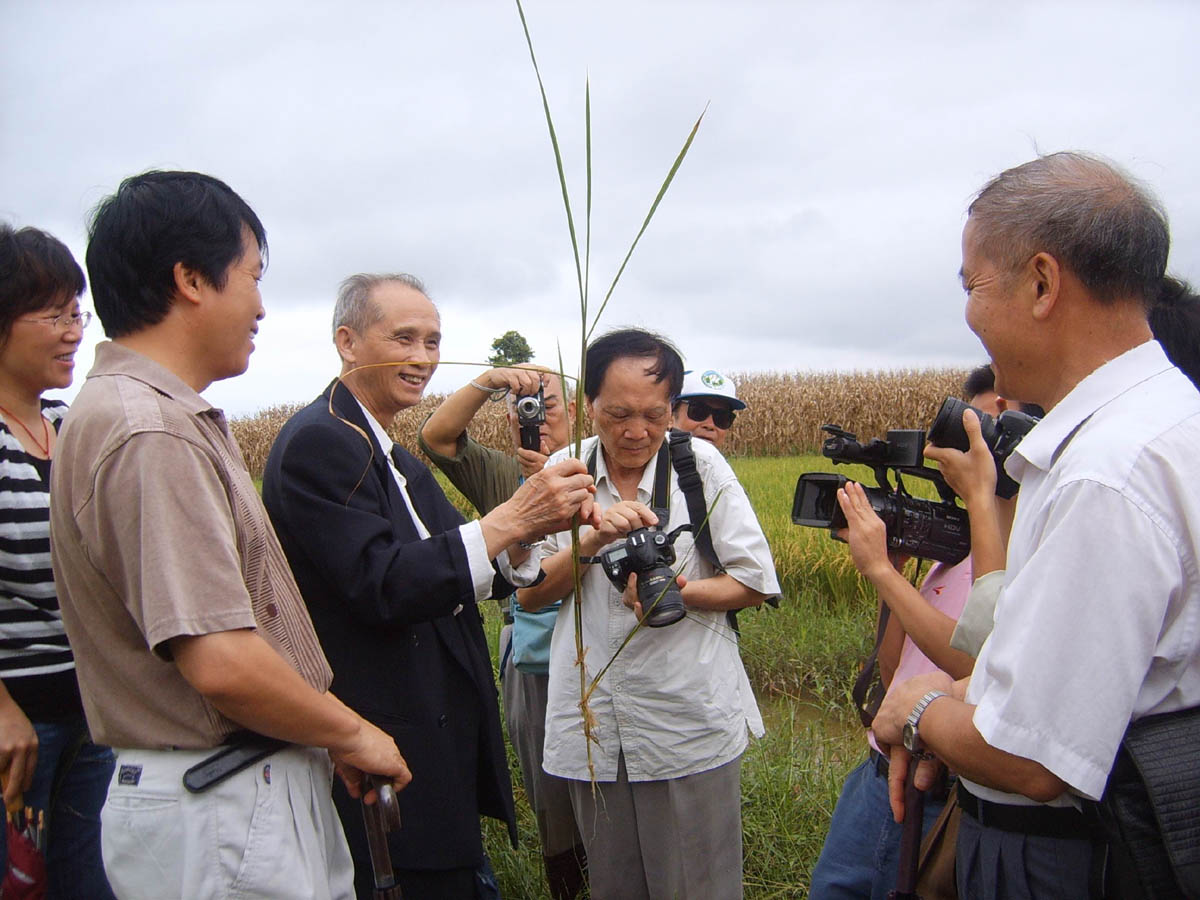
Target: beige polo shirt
[(157, 532)]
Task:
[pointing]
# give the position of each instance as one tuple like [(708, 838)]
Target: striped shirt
[(32, 639)]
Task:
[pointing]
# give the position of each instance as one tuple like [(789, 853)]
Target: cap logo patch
[(712, 379)]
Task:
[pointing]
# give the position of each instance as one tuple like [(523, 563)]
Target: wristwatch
[(912, 740)]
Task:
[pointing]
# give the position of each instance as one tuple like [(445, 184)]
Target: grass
[(801, 659)]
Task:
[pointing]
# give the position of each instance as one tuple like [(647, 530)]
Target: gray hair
[(1095, 219), (354, 308)]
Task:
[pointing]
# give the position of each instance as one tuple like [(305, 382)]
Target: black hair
[(1175, 321), (982, 380), (36, 271), (637, 343), (152, 222)]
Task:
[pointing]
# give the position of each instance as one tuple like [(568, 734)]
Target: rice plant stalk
[(583, 276)]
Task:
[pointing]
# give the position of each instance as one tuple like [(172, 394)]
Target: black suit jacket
[(382, 602)]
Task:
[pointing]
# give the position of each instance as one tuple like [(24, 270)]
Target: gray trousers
[(525, 715), (268, 831), (1001, 865), (678, 839)]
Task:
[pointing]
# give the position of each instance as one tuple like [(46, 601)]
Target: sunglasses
[(698, 411)]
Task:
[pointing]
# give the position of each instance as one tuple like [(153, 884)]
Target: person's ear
[(1046, 276), (1001, 404), (188, 282), (345, 340)]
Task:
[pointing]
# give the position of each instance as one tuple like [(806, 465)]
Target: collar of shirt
[(645, 488), (386, 444), (1042, 445), (117, 359)]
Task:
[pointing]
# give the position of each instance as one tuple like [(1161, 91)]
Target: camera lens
[(947, 429)]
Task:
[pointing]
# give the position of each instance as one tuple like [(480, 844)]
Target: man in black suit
[(392, 577)]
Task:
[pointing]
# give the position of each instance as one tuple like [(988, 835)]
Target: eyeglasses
[(65, 321), (698, 411)]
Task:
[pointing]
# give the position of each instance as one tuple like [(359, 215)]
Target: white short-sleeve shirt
[(1098, 622), (676, 701)]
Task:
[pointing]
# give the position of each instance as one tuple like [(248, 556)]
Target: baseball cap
[(710, 383)]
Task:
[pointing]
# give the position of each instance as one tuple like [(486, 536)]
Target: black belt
[(1038, 821)]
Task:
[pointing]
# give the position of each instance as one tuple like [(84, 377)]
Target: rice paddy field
[(801, 658)]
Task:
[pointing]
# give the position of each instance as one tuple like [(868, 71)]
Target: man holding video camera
[(862, 849), (670, 714), (540, 423), (1096, 625)]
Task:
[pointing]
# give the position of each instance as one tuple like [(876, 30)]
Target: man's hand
[(372, 751), (521, 380), (531, 461), (18, 749), (888, 726), (971, 475), (546, 503), (630, 596), (864, 532), (898, 762)]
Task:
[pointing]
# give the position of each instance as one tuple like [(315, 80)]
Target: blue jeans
[(861, 855), (72, 843)]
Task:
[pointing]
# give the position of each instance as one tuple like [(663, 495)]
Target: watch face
[(910, 738)]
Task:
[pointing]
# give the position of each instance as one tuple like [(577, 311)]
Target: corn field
[(784, 414)]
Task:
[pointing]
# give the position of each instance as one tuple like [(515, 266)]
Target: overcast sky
[(814, 225)]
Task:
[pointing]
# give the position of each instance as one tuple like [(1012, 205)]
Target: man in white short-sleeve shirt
[(673, 709), (1098, 619)]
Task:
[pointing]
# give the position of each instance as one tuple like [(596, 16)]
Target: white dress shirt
[(1099, 619), (676, 701), (471, 532)]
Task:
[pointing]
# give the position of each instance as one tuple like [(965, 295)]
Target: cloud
[(814, 224)]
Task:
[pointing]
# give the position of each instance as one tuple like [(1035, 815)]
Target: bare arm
[(719, 593), (442, 429), (929, 628), (246, 680), (972, 475), (947, 730)]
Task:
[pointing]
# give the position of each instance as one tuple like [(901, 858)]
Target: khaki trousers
[(268, 831)]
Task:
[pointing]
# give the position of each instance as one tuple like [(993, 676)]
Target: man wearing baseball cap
[(707, 405)]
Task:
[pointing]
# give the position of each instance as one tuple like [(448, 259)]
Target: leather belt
[(1039, 821)]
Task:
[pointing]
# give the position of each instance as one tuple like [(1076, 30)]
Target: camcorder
[(929, 529), (649, 552), (531, 413), (1001, 434)]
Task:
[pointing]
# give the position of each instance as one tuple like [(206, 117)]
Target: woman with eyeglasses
[(48, 763), (707, 405)]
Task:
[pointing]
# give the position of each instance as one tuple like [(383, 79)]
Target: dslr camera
[(1001, 434), (531, 413), (929, 529), (649, 552)]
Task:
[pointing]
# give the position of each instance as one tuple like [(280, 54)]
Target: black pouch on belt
[(1148, 810), (240, 750)]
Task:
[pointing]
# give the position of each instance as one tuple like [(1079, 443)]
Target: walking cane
[(380, 818), (910, 836)]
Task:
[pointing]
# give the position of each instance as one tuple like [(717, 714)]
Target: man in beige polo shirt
[(187, 625)]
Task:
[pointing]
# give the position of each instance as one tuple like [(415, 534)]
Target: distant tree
[(509, 349)]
